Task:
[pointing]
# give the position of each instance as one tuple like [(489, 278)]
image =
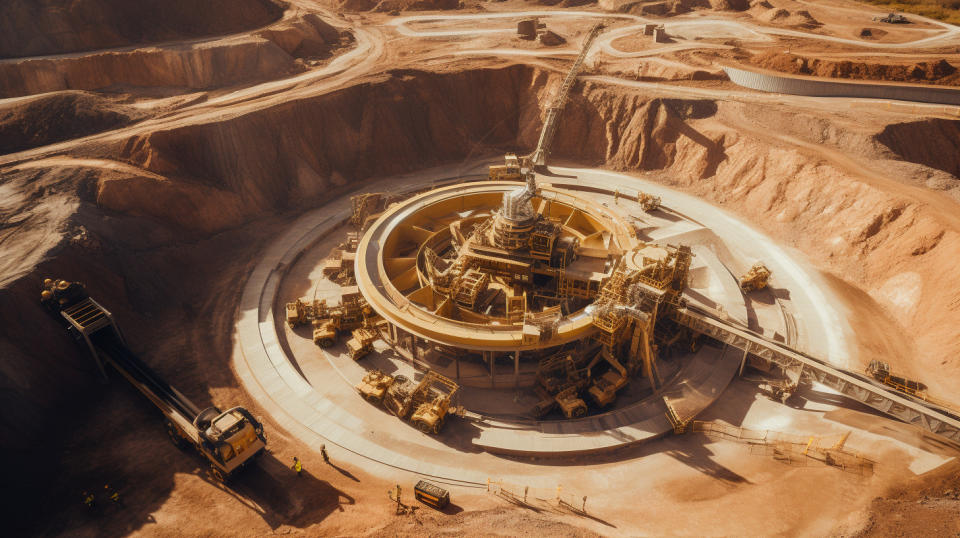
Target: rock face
[(51, 118), (939, 72), (931, 142), (42, 27), (268, 54)]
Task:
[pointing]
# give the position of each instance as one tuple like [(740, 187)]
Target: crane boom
[(539, 156)]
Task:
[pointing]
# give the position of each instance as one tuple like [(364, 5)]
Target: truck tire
[(424, 427), (217, 474), (175, 436), (325, 342)]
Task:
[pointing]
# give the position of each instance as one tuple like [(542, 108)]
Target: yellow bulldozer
[(510, 171), (374, 385), (756, 278), (361, 342), (425, 404)]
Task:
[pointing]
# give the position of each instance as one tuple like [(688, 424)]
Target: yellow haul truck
[(229, 440)]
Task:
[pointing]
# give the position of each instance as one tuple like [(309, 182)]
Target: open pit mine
[(610, 268)]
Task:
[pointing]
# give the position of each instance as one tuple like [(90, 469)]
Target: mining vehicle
[(892, 18), (350, 314), (374, 385), (570, 402), (755, 279), (425, 404), (300, 312), (880, 371), (510, 171), (361, 342), (648, 202), (229, 440), (603, 390)]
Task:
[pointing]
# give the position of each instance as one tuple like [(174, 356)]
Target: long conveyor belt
[(797, 366), (128, 364), (539, 155), (95, 324)]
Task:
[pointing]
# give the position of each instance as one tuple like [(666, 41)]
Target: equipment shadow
[(282, 497)]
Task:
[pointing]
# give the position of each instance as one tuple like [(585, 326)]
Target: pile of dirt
[(764, 11), (933, 72), (930, 502), (551, 39), (930, 142), (306, 36), (871, 33), (43, 27), (32, 122)]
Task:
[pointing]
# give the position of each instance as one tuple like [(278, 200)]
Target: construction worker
[(297, 466), (323, 452), (88, 499), (112, 495)]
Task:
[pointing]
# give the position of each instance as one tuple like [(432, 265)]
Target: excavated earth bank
[(273, 52), (163, 227), (43, 27)]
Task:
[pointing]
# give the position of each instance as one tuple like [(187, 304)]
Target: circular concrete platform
[(312, 392)]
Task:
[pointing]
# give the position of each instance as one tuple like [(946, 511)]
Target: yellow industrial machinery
[(648, 202), (570, 402), (352, 313), (560, 378), (603, 389), (361, 342), (228, 440), (431, 494), (510, 171), (425, 404), (755, 279), (300, 312), (880, 371), (374, 385), (368, 206)]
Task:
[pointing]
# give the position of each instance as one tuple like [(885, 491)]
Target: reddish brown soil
[(164, 218), (929, 72), (931, 504), (51, 118), (40, 27)]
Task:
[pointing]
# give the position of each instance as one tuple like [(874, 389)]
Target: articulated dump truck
[(228, 440)]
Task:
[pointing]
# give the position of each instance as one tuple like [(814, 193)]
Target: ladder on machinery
[(539, 156)]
